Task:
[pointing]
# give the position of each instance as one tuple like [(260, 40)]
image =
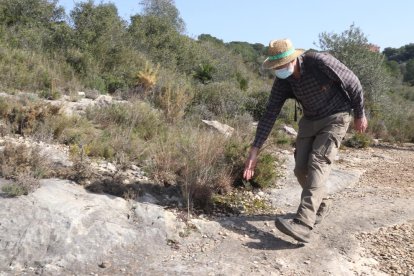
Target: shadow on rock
[(142, 192), (247, 225), (394, 147)]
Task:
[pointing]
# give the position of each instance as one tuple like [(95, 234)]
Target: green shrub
[(50, 94), (14, 190), (204, 73), (72, 130), (204, 163), (393, 119), (138, 117), (266, 173), (256, 104), (359, 140), (221, 99)]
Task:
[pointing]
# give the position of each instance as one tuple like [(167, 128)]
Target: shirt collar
[(301, 68)]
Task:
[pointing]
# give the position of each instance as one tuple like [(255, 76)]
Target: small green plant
[(256, 104), (23, 184), (266, 171), (14, 190), (359, 140)]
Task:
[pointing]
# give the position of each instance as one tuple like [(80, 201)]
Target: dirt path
[(370, 230)]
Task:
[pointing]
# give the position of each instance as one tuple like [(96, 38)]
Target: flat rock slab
[(63, 228), (288, 192)]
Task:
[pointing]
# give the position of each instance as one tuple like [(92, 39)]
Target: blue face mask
[(284, 73)]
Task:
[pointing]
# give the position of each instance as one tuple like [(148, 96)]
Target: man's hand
[(360, 124), (250, 164)]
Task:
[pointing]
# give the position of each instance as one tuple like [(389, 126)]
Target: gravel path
[(392, 177)]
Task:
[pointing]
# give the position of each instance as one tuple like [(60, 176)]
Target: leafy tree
[(207, 37), (248, 53), (350, 47), (394, 69), (30, 13), (156, 37), (98, 28), (409, 72), (102, 39), (62, 37), (401, 54), (260, 48), (30, 23), (164, 9), (392, 53)]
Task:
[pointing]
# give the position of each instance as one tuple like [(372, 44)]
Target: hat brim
[(270, 64)]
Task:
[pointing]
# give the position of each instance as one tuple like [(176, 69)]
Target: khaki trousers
[(316, 147)]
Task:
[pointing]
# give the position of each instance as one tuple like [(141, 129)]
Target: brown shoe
[(294, 228), (323, 211)]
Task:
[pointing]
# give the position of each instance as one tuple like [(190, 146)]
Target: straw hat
[(280, 52)]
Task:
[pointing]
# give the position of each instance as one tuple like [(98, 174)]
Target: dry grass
[(173, 100), (25, 166), (196, 160), (147, 77), (24, 116)]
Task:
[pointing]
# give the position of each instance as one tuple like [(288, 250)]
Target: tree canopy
[(352, 48)]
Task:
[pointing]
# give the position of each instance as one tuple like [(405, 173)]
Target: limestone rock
[(222, 128), (61, 228), (290, 131)]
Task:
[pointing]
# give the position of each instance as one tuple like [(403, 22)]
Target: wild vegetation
[(170, 82)]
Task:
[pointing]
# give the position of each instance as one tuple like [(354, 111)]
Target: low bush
[(266, 173), (24, 166), (223, 99), (359, 140), (137, 117), (19, 159), (256, 104), (392, 120), (25, 116), (194, 159), (22, 184), (173, 100), (204, 163)]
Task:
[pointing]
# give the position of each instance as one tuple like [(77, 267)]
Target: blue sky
[(385, 23)]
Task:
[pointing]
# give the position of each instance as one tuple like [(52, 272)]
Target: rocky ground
[(61, 229), (390, 175)]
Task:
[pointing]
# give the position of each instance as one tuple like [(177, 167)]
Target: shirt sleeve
[(281, 91), (337, 71)]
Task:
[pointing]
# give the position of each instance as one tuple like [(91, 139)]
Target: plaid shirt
[(320, 90)]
